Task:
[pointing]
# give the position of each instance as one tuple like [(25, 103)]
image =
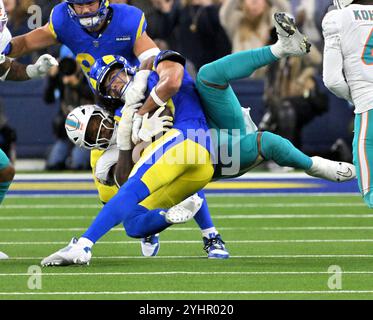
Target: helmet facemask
[(127, 80), (103, 137), (90, 20)]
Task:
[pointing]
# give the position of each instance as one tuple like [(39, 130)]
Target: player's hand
[(154, 125), (125, 127), (42, 66), (136, 93), (137, 123)]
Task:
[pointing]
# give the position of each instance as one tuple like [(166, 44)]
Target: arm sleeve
[(333, 75)]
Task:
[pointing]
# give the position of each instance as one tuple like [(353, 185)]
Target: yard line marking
[(199, 242), (115, 229), (167, 273), (227, 217), (313, 256), (212, 205), (312, 228), (185, 292)]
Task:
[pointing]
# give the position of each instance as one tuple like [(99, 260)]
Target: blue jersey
[(126, 26)]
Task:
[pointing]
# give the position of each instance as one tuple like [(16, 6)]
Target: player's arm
[(333, 75), (35, 40), (14, 71), (145, 47), (123, 168), (170, 68)]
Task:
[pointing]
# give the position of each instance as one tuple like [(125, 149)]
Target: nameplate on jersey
[(124, 38)]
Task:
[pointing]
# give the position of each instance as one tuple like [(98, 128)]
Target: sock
[(368, 198), (203, 217), (283, 152), (210, 233), (237, 65), (277, 50), (4, 187)]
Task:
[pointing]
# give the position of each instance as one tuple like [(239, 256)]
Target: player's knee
[(7, 174), (133, 230)]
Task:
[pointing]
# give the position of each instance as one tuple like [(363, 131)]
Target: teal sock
[(237, 65), (368, 198), (283, 152), (4, 186)]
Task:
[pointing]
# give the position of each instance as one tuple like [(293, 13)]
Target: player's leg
[(213, 242), (6, 177), (156, 169), (363, 154)]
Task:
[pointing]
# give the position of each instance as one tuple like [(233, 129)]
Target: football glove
[(125, 127), (136, 92), (41, 67), (154, 125)]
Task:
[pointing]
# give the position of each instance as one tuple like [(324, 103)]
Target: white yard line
[(288, 256), (189, 273), (13, 243), (217, 217), (212, 205), (86, 293)]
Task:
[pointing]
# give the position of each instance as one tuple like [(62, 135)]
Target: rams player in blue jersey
[(170, 171)]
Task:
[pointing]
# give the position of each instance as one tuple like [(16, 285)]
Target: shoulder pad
[(331, 24)]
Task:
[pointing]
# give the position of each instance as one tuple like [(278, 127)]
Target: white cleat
[(3, 256), (332, 170), (150, 245), (184, 211), (290, 41), (74, 253)]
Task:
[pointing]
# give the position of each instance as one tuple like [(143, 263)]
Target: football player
[(348, 73), (12, 70), (170, 170)]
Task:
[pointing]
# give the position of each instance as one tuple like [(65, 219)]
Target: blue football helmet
[(90, 20), (101, 69)]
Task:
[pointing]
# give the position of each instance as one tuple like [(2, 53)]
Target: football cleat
[(331, 170), (215, 248), (150, 245), (184, 211), (290, 41), (3, 256), (74, 253)]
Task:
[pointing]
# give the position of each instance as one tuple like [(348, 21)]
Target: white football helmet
[(340, 4), (77, 123)]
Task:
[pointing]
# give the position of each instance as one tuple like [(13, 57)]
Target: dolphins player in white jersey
[(348, 73), (12, 70)]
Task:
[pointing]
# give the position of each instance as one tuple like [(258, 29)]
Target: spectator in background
[(248, 23), (309, 15), (192, 27), (8, 137), (18, 20), (73, 90)]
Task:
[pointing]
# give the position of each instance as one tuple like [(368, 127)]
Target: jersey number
[(367, 56)]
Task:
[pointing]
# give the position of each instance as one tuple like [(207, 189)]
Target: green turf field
[(281, 248)]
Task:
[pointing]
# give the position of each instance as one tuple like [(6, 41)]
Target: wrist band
[(156, 99)]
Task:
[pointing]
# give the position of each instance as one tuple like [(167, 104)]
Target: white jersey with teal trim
[(348, 56)]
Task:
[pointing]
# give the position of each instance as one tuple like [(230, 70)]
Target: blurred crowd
[(203, 31)]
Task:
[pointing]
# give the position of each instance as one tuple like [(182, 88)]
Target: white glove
[(136, 92), (137, 122), (41, 67), (125, 127), (154, 125)]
